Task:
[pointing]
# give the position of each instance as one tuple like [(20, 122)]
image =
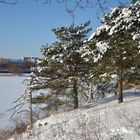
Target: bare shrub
[(17, 129), (5, 134), (9, 132), (20, 128)]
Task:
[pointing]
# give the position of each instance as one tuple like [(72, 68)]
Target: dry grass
[(9, 132)]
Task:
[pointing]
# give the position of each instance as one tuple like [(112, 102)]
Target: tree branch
[(6, 2)]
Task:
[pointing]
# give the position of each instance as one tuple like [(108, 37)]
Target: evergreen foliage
[(64, 67), (117, 42), (73, 60), (134, 1)]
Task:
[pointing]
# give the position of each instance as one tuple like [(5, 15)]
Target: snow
[(136, 36), (102, 47), (11, 89), (120, 19), (96, 59), (103, 120)]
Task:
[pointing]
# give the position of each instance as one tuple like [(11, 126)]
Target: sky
[(26, 26)]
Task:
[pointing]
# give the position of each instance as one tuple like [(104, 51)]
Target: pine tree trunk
[(30, 109), (115, 93), (91, 92), (75, 94), (30, 104), (120, 88)]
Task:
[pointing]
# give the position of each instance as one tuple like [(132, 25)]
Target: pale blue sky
[(26, 26)]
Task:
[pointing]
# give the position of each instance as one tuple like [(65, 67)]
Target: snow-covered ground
[(105, 120), (11, 88)]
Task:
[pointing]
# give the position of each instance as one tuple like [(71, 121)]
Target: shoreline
[(13, 74)]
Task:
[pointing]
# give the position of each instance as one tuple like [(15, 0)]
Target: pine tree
[(117, 42), (64, 67), (134, 1)]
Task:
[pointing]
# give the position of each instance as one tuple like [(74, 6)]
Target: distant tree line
[(16, 66)]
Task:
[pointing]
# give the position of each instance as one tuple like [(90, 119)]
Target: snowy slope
[(105, 120)]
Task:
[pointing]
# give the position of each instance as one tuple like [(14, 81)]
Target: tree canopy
[(63, 65), (117, 40)]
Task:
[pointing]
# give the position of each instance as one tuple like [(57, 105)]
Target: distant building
[(30, 59)]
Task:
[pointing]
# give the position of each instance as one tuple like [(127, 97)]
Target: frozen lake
[(11, 87)]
